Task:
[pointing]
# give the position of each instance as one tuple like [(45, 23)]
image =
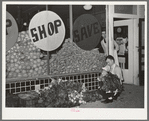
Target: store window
[(24, 59), (121, 38), (125, 9)]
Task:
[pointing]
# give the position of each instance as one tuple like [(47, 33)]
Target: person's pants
[(106, 95)]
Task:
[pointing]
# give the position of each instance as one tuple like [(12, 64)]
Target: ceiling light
[(87, 7)]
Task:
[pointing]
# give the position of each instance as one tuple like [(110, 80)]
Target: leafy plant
[(60, 93)]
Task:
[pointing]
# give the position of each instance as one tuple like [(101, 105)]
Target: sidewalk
[(131, 97)]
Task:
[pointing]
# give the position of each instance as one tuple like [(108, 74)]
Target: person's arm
[(103, 44), (118, 72), (116, 45)]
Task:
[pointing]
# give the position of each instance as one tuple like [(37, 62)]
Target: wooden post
[(111, 46), (48, 55), (19, 17), (71, 22), (107, 29)]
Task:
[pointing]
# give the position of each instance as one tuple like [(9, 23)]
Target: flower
[(59, 80), (83, 88), (80, 101), (62, 93), (38, 91), (50, 85), (46, 88)]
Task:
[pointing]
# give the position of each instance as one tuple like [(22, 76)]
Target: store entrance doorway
[(123, 35)]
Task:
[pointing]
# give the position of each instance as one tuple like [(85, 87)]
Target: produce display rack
[(18, 85)]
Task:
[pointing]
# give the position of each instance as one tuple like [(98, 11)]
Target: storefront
[(81, 61), (78, 54)]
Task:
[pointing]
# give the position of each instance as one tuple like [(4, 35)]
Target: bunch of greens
[(60, 94)]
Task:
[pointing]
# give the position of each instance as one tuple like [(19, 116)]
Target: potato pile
[(72, 59), (23, 59)]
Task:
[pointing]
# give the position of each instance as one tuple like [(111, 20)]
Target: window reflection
[(121, 38)]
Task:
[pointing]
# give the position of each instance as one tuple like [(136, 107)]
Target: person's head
[(103, 34), (110, 60)]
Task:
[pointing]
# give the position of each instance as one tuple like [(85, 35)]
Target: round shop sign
[(11, 31), (47, 30), (86, 32)]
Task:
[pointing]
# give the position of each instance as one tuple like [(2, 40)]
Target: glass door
[(123, 35)]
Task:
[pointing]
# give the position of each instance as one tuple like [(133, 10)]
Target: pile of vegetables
[(72, 59), (24, 59)]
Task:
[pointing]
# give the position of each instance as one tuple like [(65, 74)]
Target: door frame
[(128, 73)]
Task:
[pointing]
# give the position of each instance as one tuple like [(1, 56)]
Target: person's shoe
[(107, 101), (116, 96)]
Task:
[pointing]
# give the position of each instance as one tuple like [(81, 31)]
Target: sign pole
[(48, 54), (71, 22)]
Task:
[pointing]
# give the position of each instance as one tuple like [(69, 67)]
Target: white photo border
[(63, 113)]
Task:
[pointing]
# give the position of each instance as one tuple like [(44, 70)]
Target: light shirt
[(116, 70), (104, 46), (122, 49)]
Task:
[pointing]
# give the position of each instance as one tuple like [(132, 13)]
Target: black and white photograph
[(74, 60)]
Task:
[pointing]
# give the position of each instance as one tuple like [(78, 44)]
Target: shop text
[(41, 32)]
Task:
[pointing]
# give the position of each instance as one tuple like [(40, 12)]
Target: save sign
[(86, 32), (47, 30)]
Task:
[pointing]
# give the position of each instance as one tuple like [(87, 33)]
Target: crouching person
[(110, 80)]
